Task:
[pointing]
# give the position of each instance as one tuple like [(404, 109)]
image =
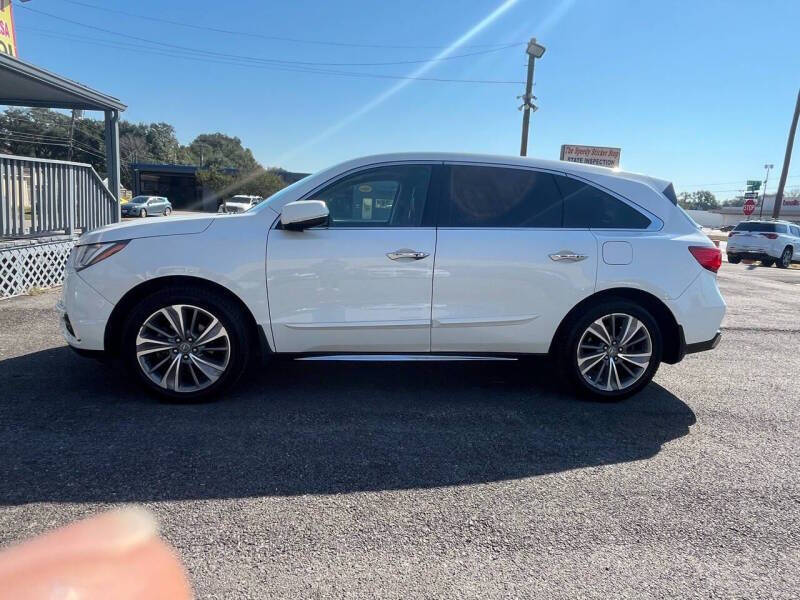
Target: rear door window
[(586, 206), (500, 197)]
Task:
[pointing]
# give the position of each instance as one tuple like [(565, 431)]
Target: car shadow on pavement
[(75, 430)]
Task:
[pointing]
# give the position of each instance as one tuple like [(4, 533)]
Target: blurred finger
[(114, 555)]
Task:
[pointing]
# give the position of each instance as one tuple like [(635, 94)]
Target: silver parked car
[(142, 206)]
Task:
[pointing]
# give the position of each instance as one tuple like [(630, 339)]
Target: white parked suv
[(771, 242), (441, 255), (239, 204)]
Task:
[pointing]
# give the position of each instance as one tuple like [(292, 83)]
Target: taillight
[(709, 257), (771, 236)]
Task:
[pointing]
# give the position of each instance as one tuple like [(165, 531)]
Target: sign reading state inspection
[(591, 155)]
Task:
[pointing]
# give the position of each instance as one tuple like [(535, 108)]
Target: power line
[(359, 75), (268, 60), (274, 37), (10, 138)]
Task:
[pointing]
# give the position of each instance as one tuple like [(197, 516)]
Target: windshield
[(756, 226)]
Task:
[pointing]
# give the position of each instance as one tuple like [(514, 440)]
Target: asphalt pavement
[(456, 480)]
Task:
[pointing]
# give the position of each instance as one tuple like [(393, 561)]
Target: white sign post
[(601, 156)]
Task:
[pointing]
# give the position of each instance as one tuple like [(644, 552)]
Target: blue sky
[(699, 92)]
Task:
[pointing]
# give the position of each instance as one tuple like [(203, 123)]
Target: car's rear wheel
[(167, 211), (785, 261), (612, 350), (767, 262), (142, 213), (733, 259), (186, 344)]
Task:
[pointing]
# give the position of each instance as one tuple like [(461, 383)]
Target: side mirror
[(303, 214)]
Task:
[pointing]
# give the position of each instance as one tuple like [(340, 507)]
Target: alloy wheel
[(183, 348), (614, 352), (786, 257)]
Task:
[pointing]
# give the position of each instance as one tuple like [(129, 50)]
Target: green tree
[(259, 182), (220, 151), (700, 200)]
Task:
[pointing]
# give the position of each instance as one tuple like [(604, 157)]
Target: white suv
[(771, 242), (441, 255)]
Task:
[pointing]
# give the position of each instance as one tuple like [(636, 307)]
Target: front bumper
[(83, 313)]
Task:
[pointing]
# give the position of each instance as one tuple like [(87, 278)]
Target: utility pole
[(764, 191), (776, 209), (533, 51), (71, 135)]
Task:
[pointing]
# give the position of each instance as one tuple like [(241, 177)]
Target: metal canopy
[(24, 84)]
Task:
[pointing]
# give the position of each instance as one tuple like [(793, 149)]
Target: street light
[(534, 51), (764, 192)]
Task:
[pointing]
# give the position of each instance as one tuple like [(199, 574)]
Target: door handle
[(407, 254), (568, 256)]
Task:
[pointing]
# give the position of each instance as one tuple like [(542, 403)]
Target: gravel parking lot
[(422, 480)]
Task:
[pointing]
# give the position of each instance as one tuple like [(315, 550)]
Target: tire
[(767, 262), (571, 362), (785, 261), (142, 214), (733, 259), (190, 374), (167, 211)]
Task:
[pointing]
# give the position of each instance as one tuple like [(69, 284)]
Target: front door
[(362, 283)]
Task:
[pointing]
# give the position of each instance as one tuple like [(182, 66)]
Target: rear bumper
[(751, 254), (754, 251), (703, 346), (696, 346)]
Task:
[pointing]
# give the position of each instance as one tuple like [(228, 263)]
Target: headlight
[(86, 256)]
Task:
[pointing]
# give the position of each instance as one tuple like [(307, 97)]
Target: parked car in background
[(239, 203), (771, 242), (428, 254), (144, 206)]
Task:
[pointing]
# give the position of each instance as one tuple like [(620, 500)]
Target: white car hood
[(149, 228)]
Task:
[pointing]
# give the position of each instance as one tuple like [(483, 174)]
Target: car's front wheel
[(612, 350), (733, 259), (186, 344), (142, 213), (167, 211)]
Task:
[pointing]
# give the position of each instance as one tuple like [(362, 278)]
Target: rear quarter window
[(586, 206)]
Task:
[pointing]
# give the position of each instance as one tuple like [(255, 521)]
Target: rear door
[(363, 283), (507, 270)]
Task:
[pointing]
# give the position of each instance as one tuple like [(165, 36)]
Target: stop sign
[(749, 207)]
